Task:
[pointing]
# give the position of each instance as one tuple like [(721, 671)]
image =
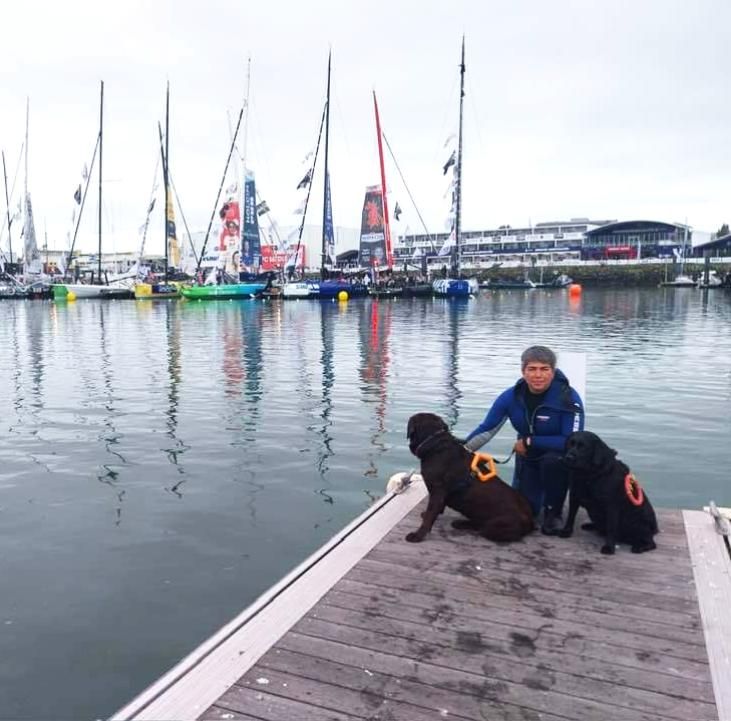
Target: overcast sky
[(604, 109)]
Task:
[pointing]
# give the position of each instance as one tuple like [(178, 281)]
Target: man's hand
[(520, 448)]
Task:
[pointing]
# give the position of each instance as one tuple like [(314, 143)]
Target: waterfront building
[(636, 239), (554, 242)]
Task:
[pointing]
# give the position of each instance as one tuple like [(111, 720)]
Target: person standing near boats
[(544, 410)]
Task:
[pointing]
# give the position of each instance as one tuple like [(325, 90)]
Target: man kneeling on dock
[(544, 410)]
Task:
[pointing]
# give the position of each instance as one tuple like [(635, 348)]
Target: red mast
[(386, 222)]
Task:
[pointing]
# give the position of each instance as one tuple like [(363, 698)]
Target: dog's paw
[(462, 524), (607, 550), (643, 547), (414, 537), (566, 533)]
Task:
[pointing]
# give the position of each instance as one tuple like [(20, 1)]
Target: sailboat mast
[(165, 173), (326, 182), (101, 126), (384, 195), (458, 189), (218, 195), (7, 204), (27, 114), (246, 121)]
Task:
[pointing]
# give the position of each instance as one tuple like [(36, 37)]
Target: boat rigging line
[(411, 197), (9, 220), (81, 207), (182, 216), (309, 188), (220, 188)]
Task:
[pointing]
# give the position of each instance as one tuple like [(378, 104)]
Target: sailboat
[(164, 290), (119, 287), (375, 238), (327, 288), (453, 286), (238, 246), (681, 280)]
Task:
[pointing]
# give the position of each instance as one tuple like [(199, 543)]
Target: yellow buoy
[(70, 296), (343, 295)]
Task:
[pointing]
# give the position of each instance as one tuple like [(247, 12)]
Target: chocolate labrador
[(492, 508), (618, 508)]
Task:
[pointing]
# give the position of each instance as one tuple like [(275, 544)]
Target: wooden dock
[(372, 627)]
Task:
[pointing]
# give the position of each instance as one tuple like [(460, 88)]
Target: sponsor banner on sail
[(172, 240), (274, 259), (372, 232), (250, 242), (230, 235), (328, 230)]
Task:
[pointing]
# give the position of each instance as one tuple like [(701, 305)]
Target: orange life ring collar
[(634, 492), (479, 461)]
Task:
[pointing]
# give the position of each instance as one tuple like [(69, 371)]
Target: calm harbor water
[(162, 464)]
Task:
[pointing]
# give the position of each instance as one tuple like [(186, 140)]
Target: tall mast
[(246, 120), (27, 114), (458, 189), (7, 203), (165, 173), (326, 181), (101, 125), (386, 221)]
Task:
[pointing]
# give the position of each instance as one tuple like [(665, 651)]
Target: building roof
[(716, 243), (634, 225)]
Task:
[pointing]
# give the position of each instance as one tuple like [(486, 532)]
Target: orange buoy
[(575, 289)]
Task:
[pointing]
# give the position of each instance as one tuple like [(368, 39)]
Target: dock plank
[(712, 569), (435, 664), (401, 590), (454, 691)]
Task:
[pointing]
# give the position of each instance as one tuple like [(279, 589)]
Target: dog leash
[(505, 460)]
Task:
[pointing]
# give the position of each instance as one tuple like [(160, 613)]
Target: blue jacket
[(560, 413)]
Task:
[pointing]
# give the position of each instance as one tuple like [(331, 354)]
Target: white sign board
[(573, 366)]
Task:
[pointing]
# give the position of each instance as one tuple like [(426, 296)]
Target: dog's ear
[(603, 454), (410, 427)]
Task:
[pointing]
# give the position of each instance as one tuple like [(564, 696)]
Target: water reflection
[(457, 309), (174, 370), (109, 436), (374, 322), (328, 317)]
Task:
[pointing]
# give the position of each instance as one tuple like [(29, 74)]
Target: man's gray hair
[(537, 354)]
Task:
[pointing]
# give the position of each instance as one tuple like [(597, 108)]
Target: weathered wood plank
[(528, 557), (447, 669), (712, 569), (559, 559), (397, 590), (368, 696), (493, 578), (491, 654), (539, 600), (573, 646), (438, 612), (459, 693), (256, 704)]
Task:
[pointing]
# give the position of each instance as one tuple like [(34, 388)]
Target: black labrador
[(492, 508), (618, 508)]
